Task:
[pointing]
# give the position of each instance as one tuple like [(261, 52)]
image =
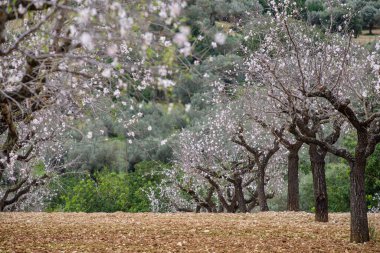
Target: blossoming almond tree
[(263, 108), (217, 177), (328, 78), (259, 108), (57, 59), (237, 161), (253, 136)]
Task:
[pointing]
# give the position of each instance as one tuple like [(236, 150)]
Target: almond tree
[(217, 177), (220, 175), (57, 59), (293, 147), (251, 135), (262, 158), (318, 79), (311, 125), (259, 109)]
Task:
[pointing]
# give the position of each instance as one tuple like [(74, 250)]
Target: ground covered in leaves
[(147, 232)]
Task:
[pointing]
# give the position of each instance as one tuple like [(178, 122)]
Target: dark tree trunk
[(359, 219), (261, 191), (240, 195), (293, 188), (317, 159)]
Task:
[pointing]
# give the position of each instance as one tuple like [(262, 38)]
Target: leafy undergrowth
[(147, 232)]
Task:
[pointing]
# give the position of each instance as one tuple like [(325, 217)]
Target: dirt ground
[(365, 38), (147, 232)]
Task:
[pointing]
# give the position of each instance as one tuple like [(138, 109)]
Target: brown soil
[(365, 38), (147, 232)]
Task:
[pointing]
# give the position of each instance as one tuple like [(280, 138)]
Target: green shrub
[(314, 5), (338, 187), (107, 193), (145, 177), (372, 180)]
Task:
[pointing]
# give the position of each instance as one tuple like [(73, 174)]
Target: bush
[(338, 187), (145, 178), (107, 193), (372, 180), (314, 5)]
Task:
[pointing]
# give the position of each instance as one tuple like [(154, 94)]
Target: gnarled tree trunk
[(240, 195), (293, 181), (359, 219), (261, 190), (317, 159)]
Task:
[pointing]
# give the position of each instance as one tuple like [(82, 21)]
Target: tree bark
[(261, 191), (240, 195), (293, 182), (370, 30), (317, 159), (359, 219)]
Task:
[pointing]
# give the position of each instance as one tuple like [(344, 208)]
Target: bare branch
[(330, 148), (27, 33), (341, 106)]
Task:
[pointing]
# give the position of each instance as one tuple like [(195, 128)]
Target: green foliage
[(108, 191), (60, 187), (314, 5), (39, 169), (146, 177), (335, 18), (337, 178), (205, 12), (338, 187), (278, 202), (372, 179), (187, 86), (370, 16), (100, 153), (338, 181), (160, 121), (306, 193)]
